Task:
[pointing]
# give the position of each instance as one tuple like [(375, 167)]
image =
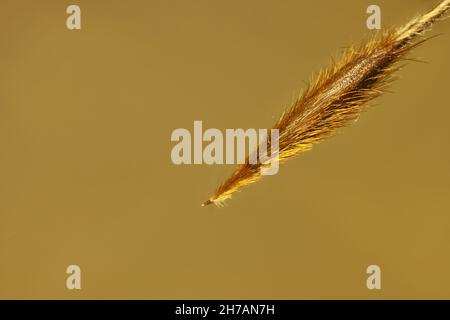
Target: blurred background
[(86, 176)]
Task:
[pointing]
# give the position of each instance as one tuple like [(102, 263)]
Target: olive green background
[(86, 176)]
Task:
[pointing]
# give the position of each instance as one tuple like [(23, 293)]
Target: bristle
[(337, 96)]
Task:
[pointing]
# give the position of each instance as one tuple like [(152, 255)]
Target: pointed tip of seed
[(207, 202)]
